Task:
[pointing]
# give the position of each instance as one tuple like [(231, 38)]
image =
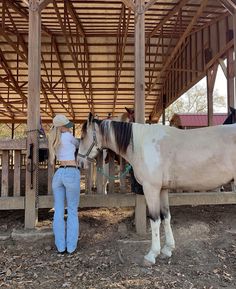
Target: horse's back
[(201, 158)]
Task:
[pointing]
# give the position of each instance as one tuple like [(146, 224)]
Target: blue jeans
[(66, 186)]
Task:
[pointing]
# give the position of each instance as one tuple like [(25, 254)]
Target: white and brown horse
[(165, 158)]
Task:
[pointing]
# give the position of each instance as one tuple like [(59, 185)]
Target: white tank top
[(67, 147)]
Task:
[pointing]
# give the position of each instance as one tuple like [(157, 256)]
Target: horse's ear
[(90, 117), (129, 110)]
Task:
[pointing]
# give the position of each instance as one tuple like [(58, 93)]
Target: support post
[(33, 117), (164, 109), (140, 208), (211, 77), (234, 73), (230, 79)]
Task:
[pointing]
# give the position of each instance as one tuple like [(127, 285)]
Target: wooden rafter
[(120, 49), (230, 5), (43, 4), (149, 4), (47, 100), (106, 67), (178, 45), (168, 17), (63, 76), (11, 77), (24, 57), (70, 48), (130, 4), (80, 28), (7, 106)]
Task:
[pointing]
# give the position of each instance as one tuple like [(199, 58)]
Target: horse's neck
[(128, 156)]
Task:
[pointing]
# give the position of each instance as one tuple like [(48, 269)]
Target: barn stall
[(73, 57)]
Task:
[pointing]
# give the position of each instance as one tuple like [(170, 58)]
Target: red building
[(195, 120)]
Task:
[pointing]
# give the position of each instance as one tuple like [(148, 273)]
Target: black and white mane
[(122, 132)]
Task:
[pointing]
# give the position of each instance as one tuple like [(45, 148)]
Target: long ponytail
[(54, 138)]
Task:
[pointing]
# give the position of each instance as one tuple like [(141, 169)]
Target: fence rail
[(12, 179)]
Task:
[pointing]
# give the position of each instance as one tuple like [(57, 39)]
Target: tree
[(195, 101)]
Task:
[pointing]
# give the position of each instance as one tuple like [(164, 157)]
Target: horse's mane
[(123, 133)]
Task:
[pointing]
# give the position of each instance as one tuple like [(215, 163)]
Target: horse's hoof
[(165, 252), (147, 263), (149, 260)]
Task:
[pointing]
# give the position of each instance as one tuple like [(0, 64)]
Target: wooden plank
[(17, 173), (95, 201), (12, 203), (89, 178), (130, 4), (13, 144), (230, 78), (140, 211), (111, 183), (43, 4), (122, 180), (211, 77), (139, 64), (140, 215), (128, 200), (51, 170), (100, 178), (202, 198), (5, 174), (33, 113)]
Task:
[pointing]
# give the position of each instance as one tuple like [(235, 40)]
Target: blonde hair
[(54, 140)]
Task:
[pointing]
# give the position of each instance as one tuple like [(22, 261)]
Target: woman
[(65, 184)]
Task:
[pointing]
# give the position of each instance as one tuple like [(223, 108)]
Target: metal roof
[(88, 54), (192, 120)]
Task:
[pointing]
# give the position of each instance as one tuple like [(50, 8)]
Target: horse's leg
[(165, 216), (152, 196)]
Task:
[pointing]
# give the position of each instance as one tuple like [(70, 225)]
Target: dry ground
[(110, 254)]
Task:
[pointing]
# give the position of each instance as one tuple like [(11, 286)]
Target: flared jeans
[(66, 186)]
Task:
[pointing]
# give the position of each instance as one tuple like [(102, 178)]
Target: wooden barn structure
[(76, 56)]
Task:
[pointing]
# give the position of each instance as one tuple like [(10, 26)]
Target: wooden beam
[(63, 77), (177, 47), (149, 4), (230, 79), (43, 4), (215, 58), (12, 203), (11, 77), (72, 54), (26, 2), (223, 66), (130, 4), (33, 114), (140, 208), (167, 17), (211, 77), (129, 200), (120, 50), (139, 64), (230, 5), (80, 28)]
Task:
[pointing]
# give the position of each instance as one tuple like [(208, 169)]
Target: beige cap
[(62, 120)]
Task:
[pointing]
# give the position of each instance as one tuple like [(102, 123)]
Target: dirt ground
[(110, 254)]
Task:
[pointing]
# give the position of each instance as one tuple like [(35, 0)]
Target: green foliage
[(6, 131)]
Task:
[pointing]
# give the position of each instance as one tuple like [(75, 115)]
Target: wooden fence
[(12, 177)]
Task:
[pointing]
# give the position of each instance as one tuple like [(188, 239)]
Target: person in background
[(65, 184)]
